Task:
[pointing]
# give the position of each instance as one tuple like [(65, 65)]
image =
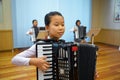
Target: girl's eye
[(56, 25), (62, 24), (59, 24)]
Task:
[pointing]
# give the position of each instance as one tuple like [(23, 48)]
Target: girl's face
[(56, 27)]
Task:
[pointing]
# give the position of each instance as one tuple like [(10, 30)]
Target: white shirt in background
[(76, 32), (32, 36)]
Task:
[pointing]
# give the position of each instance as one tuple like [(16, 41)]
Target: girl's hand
[(75, 29), (41, 63), (30, 33)]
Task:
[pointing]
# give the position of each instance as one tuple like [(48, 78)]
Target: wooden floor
[(108, 65)]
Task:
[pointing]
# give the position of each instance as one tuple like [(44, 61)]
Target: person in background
[(75, 29), (33, 32), (54, 24), (76, 33), (79, 32)]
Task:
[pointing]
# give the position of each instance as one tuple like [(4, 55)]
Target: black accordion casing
[(69, 61), (82, 32)]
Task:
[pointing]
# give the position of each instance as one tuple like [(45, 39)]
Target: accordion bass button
[(75, 65), (75, 53), (75, 59), (62, 71)]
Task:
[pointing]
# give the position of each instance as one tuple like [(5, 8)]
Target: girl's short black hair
[(48, 16)]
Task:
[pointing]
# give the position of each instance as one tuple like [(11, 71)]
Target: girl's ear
[(47, 29)]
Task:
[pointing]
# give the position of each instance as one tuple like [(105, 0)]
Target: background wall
[(1, 12), (102, 17), (6, 36), (18, 14), (103, 14), (24, 11), (6, 20)]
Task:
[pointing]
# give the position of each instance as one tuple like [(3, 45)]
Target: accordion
[(68, 61), (82, 32)]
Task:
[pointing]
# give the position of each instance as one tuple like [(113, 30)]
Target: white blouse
[(23, 58)]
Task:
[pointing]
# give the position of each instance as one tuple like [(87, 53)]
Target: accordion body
[(68, 61), (82, 32)]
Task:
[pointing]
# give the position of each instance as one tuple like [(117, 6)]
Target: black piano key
[(47, 54), (48, 79), (47, 49), (48, 71), (49, 60), (50, 74)]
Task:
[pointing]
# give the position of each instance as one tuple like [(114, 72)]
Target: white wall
[(103, 14), (1, 12), (24, 11), (6, 21)]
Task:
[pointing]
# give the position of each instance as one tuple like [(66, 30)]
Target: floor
[(108, 65)]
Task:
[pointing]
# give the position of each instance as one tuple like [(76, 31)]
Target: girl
[(54, 24)]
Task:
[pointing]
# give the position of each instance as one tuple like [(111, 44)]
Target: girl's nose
[(61, 27)]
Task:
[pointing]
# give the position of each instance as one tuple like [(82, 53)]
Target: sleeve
[(23, 58), (72, 29), (30, 30), (75, 27)]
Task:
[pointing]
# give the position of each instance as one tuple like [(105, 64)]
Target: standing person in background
[(75, 29), (79, 32), (33, 32), (76, 33)]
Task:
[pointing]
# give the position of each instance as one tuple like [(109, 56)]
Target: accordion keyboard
[(45, 50)]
